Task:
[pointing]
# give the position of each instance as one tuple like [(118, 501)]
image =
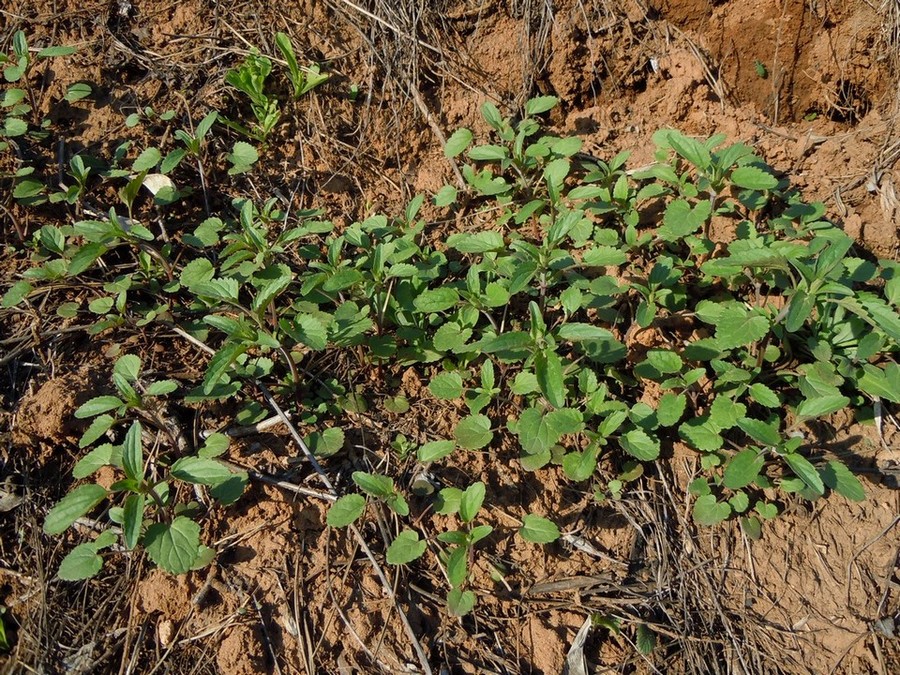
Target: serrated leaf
[(446, 386), (759, 431), (549, 371), (884, 383), (91, 462), (579, 332), (242, 156), (161, 388), (99, 426), (308, 330), (822, 405), (128, 366), (724, 412), (476, 242), (764, 396), (708, 511), (16, 293), (579, 466), (405, 548), (742, 469), (436, 300), (197, 271), (640, 445), (173, 546), (220, 363), (670, 409), (147, 160), (645, 640), (346, 510), (538, 529), (805, 471), (753, 178), (840, 479), (451, 337), (473, 432), (96, 406), (82, 562), (435, 450), (72, 507), (737, 327), (700, 434)]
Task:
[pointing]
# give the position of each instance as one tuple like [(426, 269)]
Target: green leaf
[(473, 432), (645, 640), (882, 383), (761, 432), (488, 153), (640, 445), (242, 157), (477, 242), (147, 160), (743, 469), (724, 412), (91, 462), (374, 484), (540, 104), (174, 546), (84, 258), (215, 445), (406, 548), (538, 529), (96, 406), (16, 294), (681, 219), (753, 178), (579, 466), (764, 396), (446, 386), (537, 431), (822, 405), (805, 471), (445, 196), (220, 363), (197, 271), (82, 562), (161, 388), (134, 519), (78, 91), (840, 479), (99, 426), (665, 361), (451, 337), (436, 300), (201, 471), (57, 50), (549, 372), (737, 327), (308, 330), (471, 501), (700, 434), (458, 142), (579, 332), (460, 602), (346, 510), (670, 409), (133, 453), (708, 511), (435, 450), (129, 367), (457, 567), (73, 506), (327, 442)]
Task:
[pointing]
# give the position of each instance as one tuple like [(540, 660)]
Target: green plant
[(303, 80), (526, 326), (145, 499), (250, 79)]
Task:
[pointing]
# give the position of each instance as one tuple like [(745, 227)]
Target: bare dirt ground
[(811, 84)]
